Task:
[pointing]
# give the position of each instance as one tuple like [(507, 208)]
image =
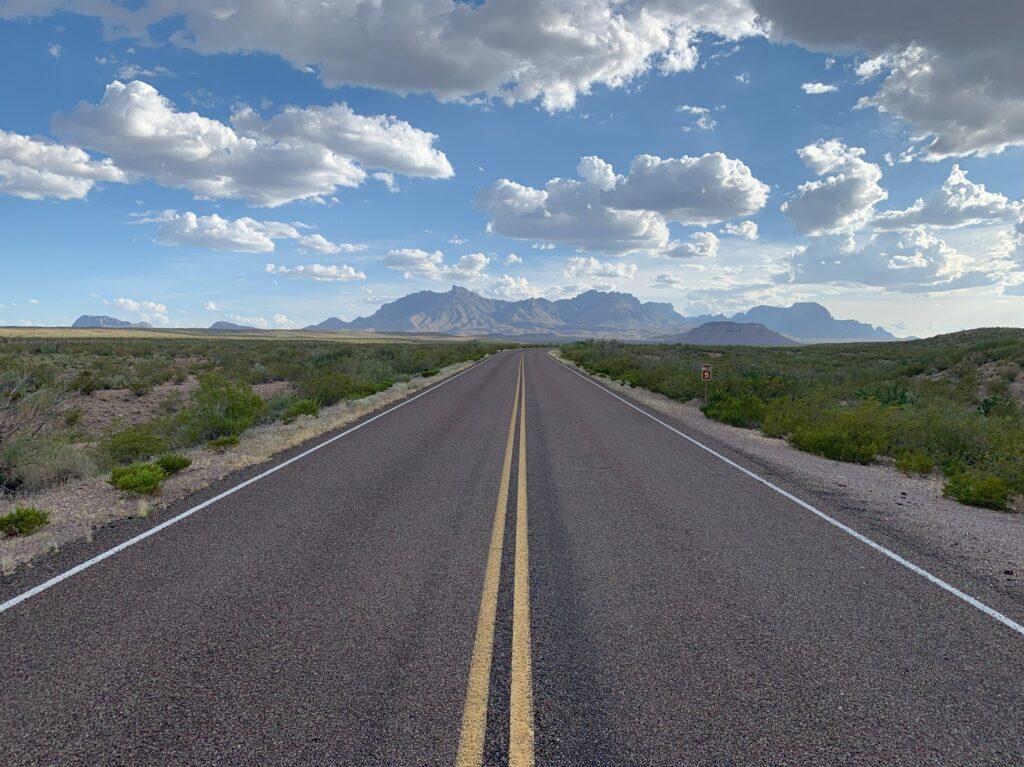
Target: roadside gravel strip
[(906, 513)]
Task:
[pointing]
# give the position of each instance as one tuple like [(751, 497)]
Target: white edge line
[(14, 601), (992, 613)]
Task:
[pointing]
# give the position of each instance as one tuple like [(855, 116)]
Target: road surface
[(433, 589)]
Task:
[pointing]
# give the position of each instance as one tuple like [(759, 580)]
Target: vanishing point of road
[(513, 567)]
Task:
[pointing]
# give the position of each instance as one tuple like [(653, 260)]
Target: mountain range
[(724, 333), (597, 314), (103, 321)]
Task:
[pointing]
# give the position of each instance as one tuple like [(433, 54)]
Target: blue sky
[(162, 161)]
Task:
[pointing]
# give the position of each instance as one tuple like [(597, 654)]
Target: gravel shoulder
[(78, 507), (907, 513)]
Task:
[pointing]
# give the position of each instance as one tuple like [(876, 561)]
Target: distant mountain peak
[(103, 321), (591, 314), (725, 333)]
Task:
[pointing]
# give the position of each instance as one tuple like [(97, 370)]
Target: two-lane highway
[(513, 568)]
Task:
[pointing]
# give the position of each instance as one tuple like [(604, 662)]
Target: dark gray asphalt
[(682, 613)]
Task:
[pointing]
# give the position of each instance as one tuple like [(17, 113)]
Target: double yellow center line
[(474, 717)]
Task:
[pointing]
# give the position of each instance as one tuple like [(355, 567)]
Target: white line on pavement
[(1006, 621), (154, 530)]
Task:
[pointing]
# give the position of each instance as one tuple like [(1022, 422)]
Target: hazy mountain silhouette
[(725, 333), (103, 321), (588, 315)]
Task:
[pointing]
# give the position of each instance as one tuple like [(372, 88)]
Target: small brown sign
[(705, 372)]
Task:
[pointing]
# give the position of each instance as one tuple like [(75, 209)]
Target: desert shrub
[(833, 442), (172, 463), (746, 410), (856, 435), (977, 488), (300, 406), (85, 382), (222, 408), (142, 478), (430, 372), (222, 443), (132, 445), (329, 388), (73, 416), (50, 461), (24, 520), (915, 462)]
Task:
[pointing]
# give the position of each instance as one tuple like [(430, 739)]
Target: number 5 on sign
[(705, 376)]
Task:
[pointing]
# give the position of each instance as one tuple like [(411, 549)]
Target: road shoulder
[(907, 513)]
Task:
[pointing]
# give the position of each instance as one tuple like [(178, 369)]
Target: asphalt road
[(431, 589)]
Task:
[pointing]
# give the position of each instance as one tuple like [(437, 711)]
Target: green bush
[(329, 388), (222, 408), (832, 441), (976, 488), (172, 463), (142, 478), (300, 406), (915, 462), (24, 520), (222, 443), (132, 445), (747, 410)]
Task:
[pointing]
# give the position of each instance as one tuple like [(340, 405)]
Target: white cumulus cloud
[(816, 89), (960, 202), (910, 261), (841, 202), (591, 267), (691, 190), (240, 235), (317, 272), (549, 50), (34, 169), (414, 262), (700, 245), (746, 230), (147, 311), (297, 155), (614, 214)]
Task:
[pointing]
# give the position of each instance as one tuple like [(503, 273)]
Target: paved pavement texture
[(436, 589)]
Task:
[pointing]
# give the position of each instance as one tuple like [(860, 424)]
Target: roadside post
[(705, 376)]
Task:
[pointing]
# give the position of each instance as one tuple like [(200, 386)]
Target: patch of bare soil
[(77, 507), (113, 409), (273, 389)]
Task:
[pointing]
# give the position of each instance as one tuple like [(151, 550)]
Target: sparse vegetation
[(953, 403), (300, 406), (915, 462), (172, 463), (180, 389), (24, 520), (977, 488), (142, 478), (132, 445), (223, 443)]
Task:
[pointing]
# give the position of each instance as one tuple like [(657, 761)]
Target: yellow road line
[(474, 716), (520, 746)]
